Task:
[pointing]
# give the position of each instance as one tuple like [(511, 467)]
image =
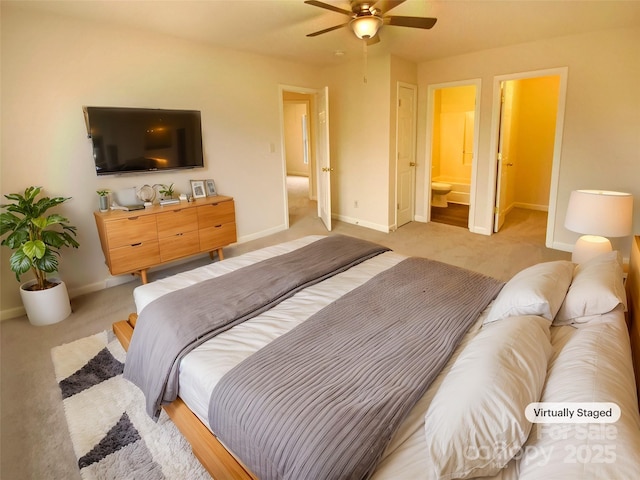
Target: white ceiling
[(279, 27)]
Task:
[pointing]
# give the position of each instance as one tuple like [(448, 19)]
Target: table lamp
[(597, 214)]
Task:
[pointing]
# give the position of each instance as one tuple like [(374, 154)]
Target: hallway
[(300, 206)]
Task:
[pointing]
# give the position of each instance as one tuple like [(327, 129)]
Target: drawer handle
[(136, 244), (133, 218), (218, 226), (177, 211)]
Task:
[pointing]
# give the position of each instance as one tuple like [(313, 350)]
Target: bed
[(550, 342)]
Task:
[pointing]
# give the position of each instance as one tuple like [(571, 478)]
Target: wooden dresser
[(133, 242)]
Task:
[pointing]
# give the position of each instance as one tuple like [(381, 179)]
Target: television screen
[(128, 140)]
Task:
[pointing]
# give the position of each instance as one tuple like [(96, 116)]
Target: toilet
[(439, 193)]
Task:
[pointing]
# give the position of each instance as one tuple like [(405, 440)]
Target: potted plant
[(103, 197), (166, 191), (36, 237)]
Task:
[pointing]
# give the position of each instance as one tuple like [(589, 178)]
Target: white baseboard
[(531, 206), (481, 230), (361, 223), (262, 233), (112, 281), (12, 313)]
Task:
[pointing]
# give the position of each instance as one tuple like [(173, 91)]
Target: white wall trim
[(531, 206), (12, 313), (115, 280), (361, 223)]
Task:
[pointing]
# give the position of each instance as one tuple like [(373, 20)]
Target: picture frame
[(210, 187), (198, 189)]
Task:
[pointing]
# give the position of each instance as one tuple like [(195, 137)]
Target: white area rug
[(113, 438)]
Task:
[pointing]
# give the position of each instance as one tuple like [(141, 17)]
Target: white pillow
[(597, 288), (537, 290), (476, 421)]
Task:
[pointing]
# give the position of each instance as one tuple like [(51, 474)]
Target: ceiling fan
[(368, 16)]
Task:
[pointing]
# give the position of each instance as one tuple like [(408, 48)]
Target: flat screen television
[(130, 140)]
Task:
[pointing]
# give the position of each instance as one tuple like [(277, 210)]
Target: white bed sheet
[(406, 456)]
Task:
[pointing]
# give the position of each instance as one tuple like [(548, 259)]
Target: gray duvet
[(171, 326), (324, 400)]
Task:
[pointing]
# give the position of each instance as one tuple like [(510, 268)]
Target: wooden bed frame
[(222, 465)]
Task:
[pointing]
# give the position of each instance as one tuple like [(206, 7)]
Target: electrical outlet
[(355, 204)]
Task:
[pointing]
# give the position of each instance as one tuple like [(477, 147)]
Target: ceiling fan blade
[(328, 7), (320, 32), (385, 5), (413, 22)]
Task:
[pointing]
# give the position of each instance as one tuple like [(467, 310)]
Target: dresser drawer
[(216, 214), (134, 257), (216, 237), (128, 231), (134, 241), (175, 222), (178, 246)]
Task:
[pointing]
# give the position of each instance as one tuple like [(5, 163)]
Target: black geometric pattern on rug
[(123, 433), (100, 368), (111, 434)]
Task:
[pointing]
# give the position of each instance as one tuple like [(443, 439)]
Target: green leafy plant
[(167, 190), (102, 193), (35, 236)]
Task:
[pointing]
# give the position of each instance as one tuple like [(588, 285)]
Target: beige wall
[(532, 153), (295, 130), (53, 66), (359, 126), (363, 137), (601, 137)]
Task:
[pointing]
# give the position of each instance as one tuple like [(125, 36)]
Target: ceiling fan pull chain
[(364, 51)]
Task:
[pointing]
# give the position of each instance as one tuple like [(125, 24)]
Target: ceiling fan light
[(366, 27)]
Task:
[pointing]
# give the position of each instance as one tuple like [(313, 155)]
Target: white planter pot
[(45, 307)]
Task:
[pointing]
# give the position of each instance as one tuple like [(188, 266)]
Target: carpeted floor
[(35, 441), (300, 206)]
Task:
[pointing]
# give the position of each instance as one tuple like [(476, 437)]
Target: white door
[(504, 160), (406, 154), (323, 159)]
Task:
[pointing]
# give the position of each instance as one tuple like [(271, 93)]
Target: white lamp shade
[(597, 212), (366, 27)]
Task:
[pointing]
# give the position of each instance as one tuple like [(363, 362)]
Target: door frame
[(431, 89), (563, 73), (313, 167)]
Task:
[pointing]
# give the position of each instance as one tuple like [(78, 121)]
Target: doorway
[(296, 113), (305, 143), (453, 133), (527, 138)]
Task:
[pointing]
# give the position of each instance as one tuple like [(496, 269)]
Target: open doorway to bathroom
[(454, 133), (526, 141)]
